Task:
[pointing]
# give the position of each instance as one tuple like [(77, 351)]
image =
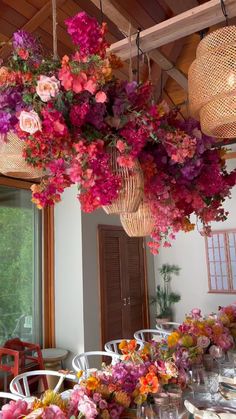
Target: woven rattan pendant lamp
[(140, 223), (212, 82)]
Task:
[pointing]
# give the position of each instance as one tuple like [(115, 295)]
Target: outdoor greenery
[(164, 297), (16, 268)]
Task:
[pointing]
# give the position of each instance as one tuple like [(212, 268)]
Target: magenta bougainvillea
[(69, 113)]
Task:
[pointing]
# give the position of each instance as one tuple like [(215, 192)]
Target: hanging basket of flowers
[(12, 162), (140, 223), (131, 191)]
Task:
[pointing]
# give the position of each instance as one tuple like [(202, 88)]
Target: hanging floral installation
[(69, 115)]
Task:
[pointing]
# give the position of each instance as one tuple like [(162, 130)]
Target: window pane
[(213, 283), (20, 266), (231, 239), (209, 241), (217, 254), (215, 240), (232, 253), (212, 268), (210, 253), (222, 254), (221, 240)]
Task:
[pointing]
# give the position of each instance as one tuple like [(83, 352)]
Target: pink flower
[(14, 410), (100, 97), (91, 86), (53, 412), (203, 341), (121, 146), (47, 87), (196, 313), (87, 407), (30, 122), (126, 161), (102, 404)]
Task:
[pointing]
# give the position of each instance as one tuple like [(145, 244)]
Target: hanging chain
[(54, 27), (224, 11), (101, 12), (138, 55)]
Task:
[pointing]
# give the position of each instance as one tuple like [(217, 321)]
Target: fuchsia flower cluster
[(70, 113)]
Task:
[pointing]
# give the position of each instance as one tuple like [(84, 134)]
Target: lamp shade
[(12, 163), (212, 83), (139, 223), (131, 192)]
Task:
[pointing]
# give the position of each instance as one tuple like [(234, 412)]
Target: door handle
[(124, 299), (129, 300)]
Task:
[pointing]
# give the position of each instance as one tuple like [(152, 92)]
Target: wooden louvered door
[(123, 289)]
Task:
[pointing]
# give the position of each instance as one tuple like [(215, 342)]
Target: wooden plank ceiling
[(174, 58)]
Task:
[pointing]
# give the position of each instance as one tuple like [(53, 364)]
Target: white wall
[(77, 275), (92, 321), (68, 274), (188, 251)]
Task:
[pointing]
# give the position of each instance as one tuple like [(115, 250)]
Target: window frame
[(48, 275), (230, 289)]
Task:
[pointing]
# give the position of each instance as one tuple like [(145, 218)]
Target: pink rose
[(88, 408), (47, 87), (203, 341), (100, 97), (30, 122)]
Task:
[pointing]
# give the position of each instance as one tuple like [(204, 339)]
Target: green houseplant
[(165, 298)]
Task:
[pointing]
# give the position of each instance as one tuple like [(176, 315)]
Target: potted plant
[(164, 297)]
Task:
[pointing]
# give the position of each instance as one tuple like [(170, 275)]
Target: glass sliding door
[(20, 266)]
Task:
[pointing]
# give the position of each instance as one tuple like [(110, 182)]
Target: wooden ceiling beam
[(179, 6), (158, 57), (193, 20), (33, 23)]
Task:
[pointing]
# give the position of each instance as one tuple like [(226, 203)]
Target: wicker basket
[(131, 192), (212, 83), (12, 162), (140, 223)]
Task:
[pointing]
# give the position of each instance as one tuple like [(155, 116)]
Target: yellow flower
[(173, 339), (92, 383), (187, 341), (50, 397), (79, 374)]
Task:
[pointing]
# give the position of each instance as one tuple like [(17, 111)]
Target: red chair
[(17, 357)]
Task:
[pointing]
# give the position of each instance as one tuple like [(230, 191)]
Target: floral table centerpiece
[(197, 336)]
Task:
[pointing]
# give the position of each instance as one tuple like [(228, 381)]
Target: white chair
[(20, 384), (113, 346), (143, 336), (167, 327), (4, 395), (81, 362)]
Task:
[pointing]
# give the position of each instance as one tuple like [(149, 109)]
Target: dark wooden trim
[(49, 284), (48, 264), (15, 183)]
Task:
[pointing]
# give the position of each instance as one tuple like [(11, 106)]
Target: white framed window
[(221, 261)]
